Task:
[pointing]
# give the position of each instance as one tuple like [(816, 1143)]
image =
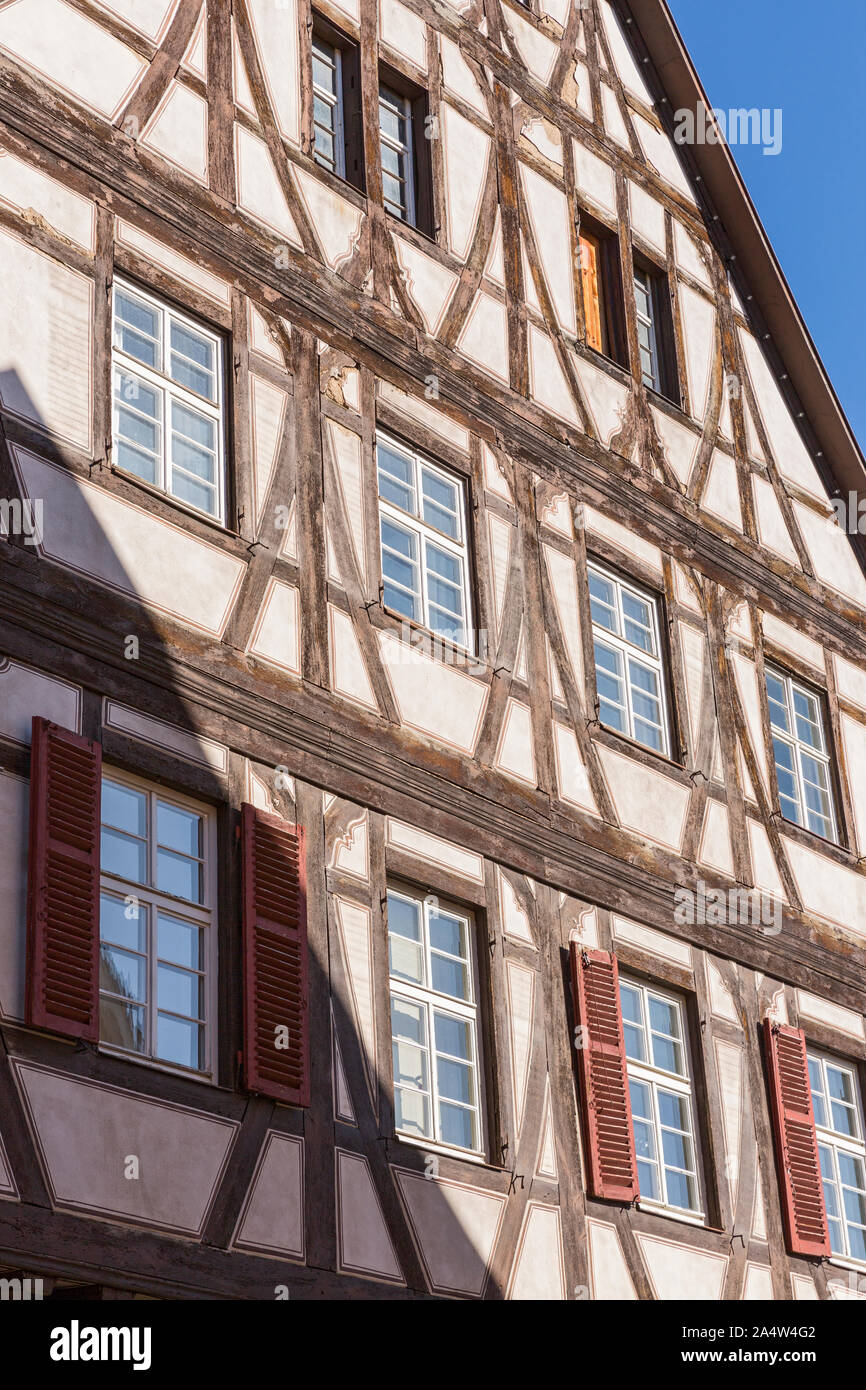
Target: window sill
[(153, 1064), (609, 364), (667, 763), (812, 839), (845, 1262), (671, 1214), (433, 644), (398, 1141), (660, 396), (411, 227), (210, 521)]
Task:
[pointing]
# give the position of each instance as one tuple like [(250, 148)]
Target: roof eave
[(775, 303)]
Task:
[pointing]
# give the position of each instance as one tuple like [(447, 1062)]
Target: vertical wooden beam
[(310, 505)]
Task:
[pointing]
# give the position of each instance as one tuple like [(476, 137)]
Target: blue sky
[(807, 60)]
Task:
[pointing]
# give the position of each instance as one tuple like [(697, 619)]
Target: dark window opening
[(407, 174), (601, 288), (655, 331), (338, 134)]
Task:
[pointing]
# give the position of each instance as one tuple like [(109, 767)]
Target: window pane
[(455, 1081), (410, 1066), (441, 505), (855, 1206), (180, 1042), (448, 934), (857, 1242), (638, 618), (648, 1180), (850, 1170), (641, 1100), (602, 602), (412, 1112), (123, 856), (202, 496), (406, 959), (400, 569), (404, 917), (180, 991), (839, 1085), (611, 687), (192, 360), (179, 942), (122, 973), (673, 1111), (664, 1016), (778, 703), (124, 808), (450, 976), (178, 829), (137, 328), (453, 1035), (179, 876), (408, 1021), (122, 924), (193, 442), (630, 1002), (392, 122), (324, 64), (668, 1055), (677, 1150), (808, 719), (457, 1126), (682, 1191), (122, 1024), (396, 478), (137, 427)]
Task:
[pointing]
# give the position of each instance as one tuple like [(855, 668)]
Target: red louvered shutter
[(276, 1035), (63, 882), (797, 1162), (611, 1161)]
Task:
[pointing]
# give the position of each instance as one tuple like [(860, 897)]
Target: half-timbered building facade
[(432, 694)]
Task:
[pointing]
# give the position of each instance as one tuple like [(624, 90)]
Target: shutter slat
[(275, 957), (63, 882), (796, 1142), (611, 1160)]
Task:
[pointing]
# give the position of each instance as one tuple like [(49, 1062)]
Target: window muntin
[(841, 1149), (329, 146), (434, 1026), (801, 754), (660, 1091), (396, 140), (422, 517), (628, 664), (156, 924), (167, 385), (646, 329)]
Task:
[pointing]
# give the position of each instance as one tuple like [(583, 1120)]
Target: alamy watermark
[(718, 907), (438, 648), (19, 518), (709, 125), (850, 513)]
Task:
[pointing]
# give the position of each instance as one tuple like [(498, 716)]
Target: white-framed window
[(434, 1023), (329, 146), (422, 525), (396, 138), (660, 1090), (801, 754), (628, 660), (839, 1123), (168, 400), (646, 329), (157, 974)]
